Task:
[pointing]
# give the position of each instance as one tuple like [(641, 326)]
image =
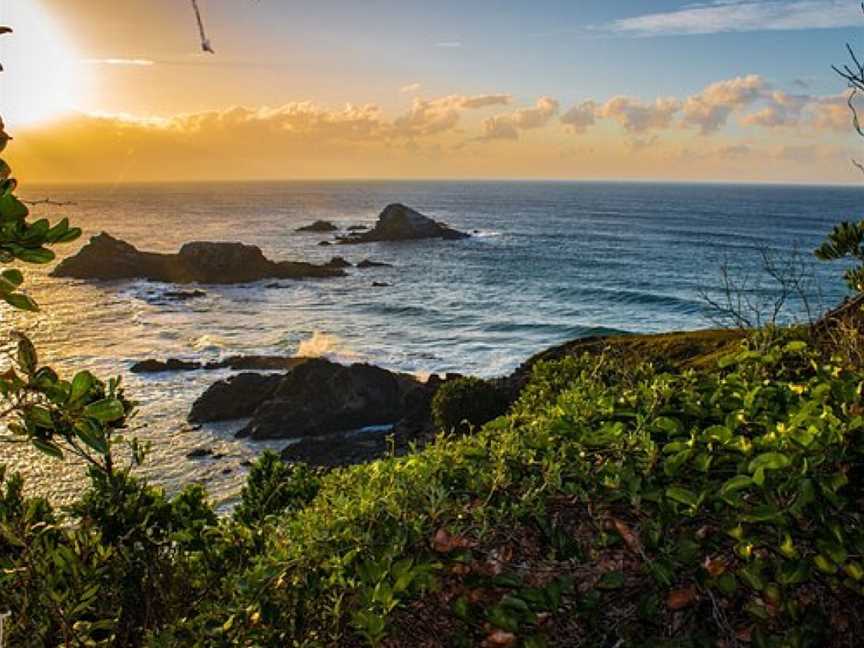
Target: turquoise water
[(548, 262)]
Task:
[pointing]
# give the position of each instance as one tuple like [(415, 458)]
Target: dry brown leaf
[(445, 542), (714, 566), (630, 538), (500, 638), (681, 598)]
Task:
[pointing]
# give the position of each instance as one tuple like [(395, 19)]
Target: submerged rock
[(319, 226), (380, 284), (358, 228), (106, 257), (366, 263), (183, 295), (324, 244), (338, 262), (400, 223)]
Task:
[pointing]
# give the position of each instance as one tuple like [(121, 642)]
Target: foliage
[(845, 242), (273, 487), (468, 402)]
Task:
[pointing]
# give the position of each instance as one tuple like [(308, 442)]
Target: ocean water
[(548, 262)]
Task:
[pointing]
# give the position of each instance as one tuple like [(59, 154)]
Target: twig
[(49, 201), (205, 42)]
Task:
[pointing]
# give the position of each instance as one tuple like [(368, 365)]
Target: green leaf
[(91, 435), (14, 277), (796, 346), (770, 461), (21, 302), (106, 410), (81, 384), (737, 483), (39, 255), (48, 448), (28, 359), (611, 580), (683, 496)]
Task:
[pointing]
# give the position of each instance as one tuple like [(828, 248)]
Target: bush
[(469, 402)]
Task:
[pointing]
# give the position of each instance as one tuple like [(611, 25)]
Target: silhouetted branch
[(49, 201), (205, 42)]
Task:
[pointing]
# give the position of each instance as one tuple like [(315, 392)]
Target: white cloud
[(449, 44), (638, 117), (710, 109), (580, 117), (743, 16), (507, 127), (431, 116), (411, 88)]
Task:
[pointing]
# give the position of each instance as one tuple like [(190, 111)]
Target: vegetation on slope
[(615, 503)]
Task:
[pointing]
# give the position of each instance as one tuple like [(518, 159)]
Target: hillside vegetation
[(713, 501)]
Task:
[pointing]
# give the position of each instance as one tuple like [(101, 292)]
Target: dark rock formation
[(237, 363), (366, 263), (317, 397), (400, 223), (380, 284), (324, 244), (183, 295), (235, 398), (319, 226), (338, 262), (106, 257), (358, 228)]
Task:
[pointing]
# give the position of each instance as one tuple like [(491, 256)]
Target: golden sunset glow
[(44, 78)]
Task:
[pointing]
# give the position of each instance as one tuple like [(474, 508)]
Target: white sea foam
[(325, 345)]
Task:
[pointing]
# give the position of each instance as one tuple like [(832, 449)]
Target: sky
[(730, 90)]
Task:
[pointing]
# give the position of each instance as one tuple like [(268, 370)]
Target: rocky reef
[(400, 223), (106, 257)]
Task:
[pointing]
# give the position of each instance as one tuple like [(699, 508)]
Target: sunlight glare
[(42, 77)]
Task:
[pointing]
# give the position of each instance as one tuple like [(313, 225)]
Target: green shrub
[(468, 402), (274, 487)]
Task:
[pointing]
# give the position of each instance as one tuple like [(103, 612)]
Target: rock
[(358, 228), (324, 244), (341, 449), (319, 226), (199, 453), (236, 363), (366, 263), (320, 397), (157, 366), (400, 223), (106, 257), (338, 262), (380, 284), (183, 295), (235, 398)]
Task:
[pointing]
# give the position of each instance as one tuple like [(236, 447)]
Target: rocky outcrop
[(316, 397), (400, 223), (235, 398), (338, 262), (236, 363), (366, 263), (106, 257), (319, 226)]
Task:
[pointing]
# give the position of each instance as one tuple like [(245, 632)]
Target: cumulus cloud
[(638, 117), (431, 116), (742, 16), (507, 127), (411, 88), (782, 110), (580, 117), (710, 110)]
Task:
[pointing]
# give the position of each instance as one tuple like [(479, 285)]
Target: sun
[(42, 77)]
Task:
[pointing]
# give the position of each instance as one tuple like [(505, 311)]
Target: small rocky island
[(106, 257), (319, 226), (400, 223)]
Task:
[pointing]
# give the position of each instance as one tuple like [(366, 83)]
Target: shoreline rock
[(400, 223), (106, 257), (236, 363), (367, 263), (319, 226)]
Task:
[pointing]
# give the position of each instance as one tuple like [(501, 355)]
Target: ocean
[(548, 262)]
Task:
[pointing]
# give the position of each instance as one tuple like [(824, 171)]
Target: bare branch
[(49, 201), (205, 42)]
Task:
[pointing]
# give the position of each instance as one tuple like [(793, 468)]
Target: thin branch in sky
[(205, 42)]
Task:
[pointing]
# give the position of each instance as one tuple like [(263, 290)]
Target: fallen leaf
[(681, 598), (500, 638), (445, 542), (714, 566), (628, 536), (744, 634)]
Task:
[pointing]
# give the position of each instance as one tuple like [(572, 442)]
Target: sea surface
[(548, 262)]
